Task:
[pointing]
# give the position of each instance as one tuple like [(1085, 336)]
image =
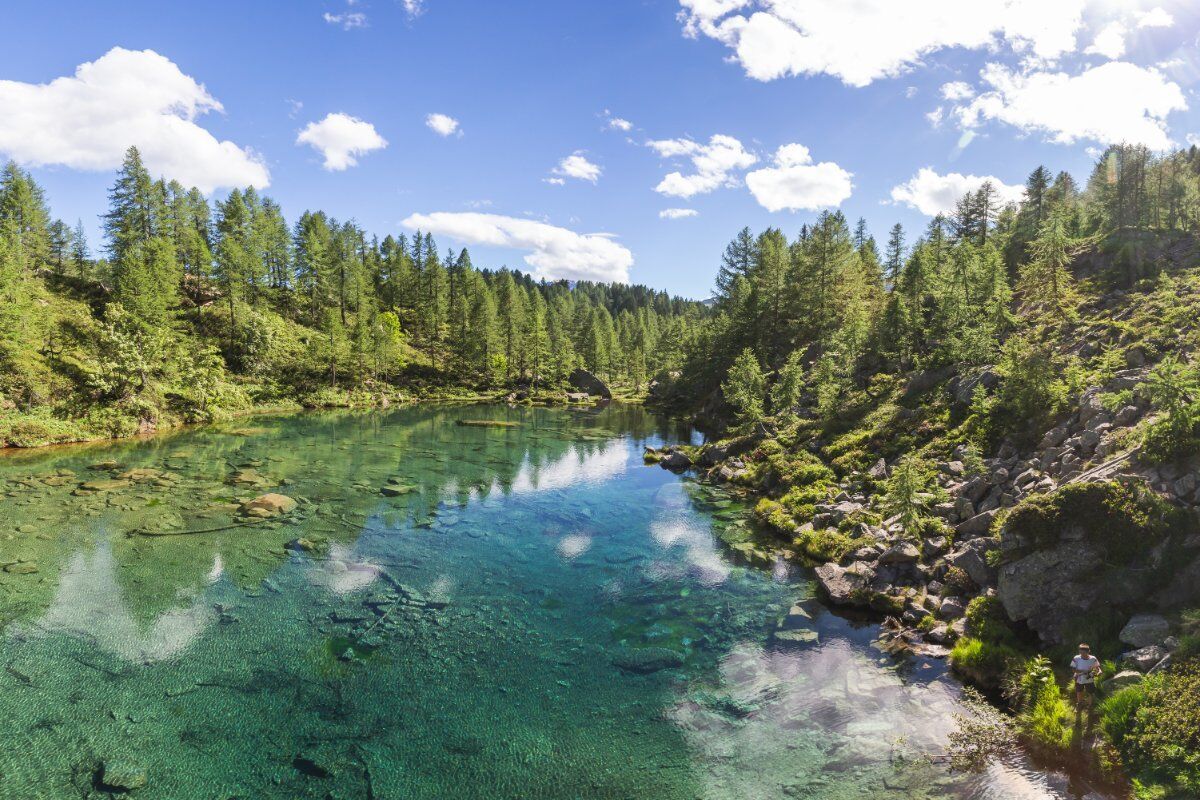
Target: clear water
[(460, 640)]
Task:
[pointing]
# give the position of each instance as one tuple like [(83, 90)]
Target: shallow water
[(488, 632)]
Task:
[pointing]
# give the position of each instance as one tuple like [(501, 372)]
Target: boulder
[(578, 397), (972, 559), (268, 505), (1121, 680), (976, 526), (675, 461), (901, 553), (1144, 658), (585, 381), (951, 608), (1143, 630), (844, 585)]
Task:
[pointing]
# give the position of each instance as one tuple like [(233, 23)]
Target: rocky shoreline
[(1027, 530)]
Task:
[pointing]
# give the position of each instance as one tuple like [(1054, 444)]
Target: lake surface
[(528, 612)]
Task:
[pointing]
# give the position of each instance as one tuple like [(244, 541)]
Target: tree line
[(320, 302), (818, 314)]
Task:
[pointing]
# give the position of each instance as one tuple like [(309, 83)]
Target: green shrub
[(774, 515), (982, 661), (827, 544), (986, 620), (1164, 742), (1118, 712), (1043, 718)]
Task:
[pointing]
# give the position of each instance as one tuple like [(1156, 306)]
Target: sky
[(622, 140)]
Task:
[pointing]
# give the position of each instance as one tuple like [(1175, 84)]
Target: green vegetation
[(200, 310)]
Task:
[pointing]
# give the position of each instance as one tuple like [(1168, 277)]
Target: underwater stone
[(648, 659), (268, 505), (123, 776)]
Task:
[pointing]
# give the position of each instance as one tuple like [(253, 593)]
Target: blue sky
[(227, 89)]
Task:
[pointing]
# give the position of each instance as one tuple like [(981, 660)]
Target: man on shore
[(1086, 669)]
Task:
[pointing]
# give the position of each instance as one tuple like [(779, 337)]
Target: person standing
[(1086, 669)]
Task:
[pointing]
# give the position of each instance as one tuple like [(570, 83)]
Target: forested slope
[(197, 309), (989, 438)]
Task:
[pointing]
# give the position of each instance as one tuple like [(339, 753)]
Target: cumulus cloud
[(125, 97), (348, 21), (677, 213), (1114, 102), (865, 40), (576, 166), (618, 124), (957, 90), (1109, 42), (443, 125), (341, 139), (1157, 17), (414, 8), (932, 194), (795, 182), (553, 252), (714, 164)]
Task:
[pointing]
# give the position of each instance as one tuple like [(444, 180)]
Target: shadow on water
[(451, 611)]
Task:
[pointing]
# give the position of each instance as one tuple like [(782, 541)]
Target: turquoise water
[(528, 612)]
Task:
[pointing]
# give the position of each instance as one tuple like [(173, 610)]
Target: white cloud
[(554, 252), (414, 8), (618, 124), (443, 125), (957, 90), (795, 182), (713, 162), (859, 42), (1114, 102), (932, 194), (578, 167), (349, 21), (125, 97), (555, 181), (936, 116), (341, 139), (1157, 17), (1109, 42), (677, 213)]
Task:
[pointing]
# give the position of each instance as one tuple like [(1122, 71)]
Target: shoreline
[(12, 450)]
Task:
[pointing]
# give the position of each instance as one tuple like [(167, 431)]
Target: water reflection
[(90, 604)]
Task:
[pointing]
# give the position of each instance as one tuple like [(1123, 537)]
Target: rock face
[(585, 381), (1143, 630)]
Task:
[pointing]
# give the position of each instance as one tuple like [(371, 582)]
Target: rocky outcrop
[(585, 381), (844, 585)]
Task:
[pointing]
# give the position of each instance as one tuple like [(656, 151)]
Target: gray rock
[(952, 608), (1145, 629), (1127, 416), (585, 381), (978, 525), (1122, 679), (675, 461), (902, 553), (644, 660), (1054, 437), (1144, 658), (972, 559), (840, 584), (879, 470)]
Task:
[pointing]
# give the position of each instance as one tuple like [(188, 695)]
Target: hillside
[(989, 440), (199, 310)]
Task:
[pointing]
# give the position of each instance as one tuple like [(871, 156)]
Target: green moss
[(827, 544), (1127, 519)]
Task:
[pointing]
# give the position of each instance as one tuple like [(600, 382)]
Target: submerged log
[(487, 423)]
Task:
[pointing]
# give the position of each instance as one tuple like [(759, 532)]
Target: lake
[(518, 611)]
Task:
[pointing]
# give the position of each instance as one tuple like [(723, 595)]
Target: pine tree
[(79, 251)]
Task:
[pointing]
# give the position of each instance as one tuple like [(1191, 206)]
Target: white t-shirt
[(1083, 666)]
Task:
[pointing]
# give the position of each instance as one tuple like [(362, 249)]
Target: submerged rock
[(648, 659), (122, 775), (268, 505)]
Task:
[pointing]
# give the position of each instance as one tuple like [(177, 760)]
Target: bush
[(984, 662), (1164, 741), (1043, 714), (1118, 711), (986, 620)]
